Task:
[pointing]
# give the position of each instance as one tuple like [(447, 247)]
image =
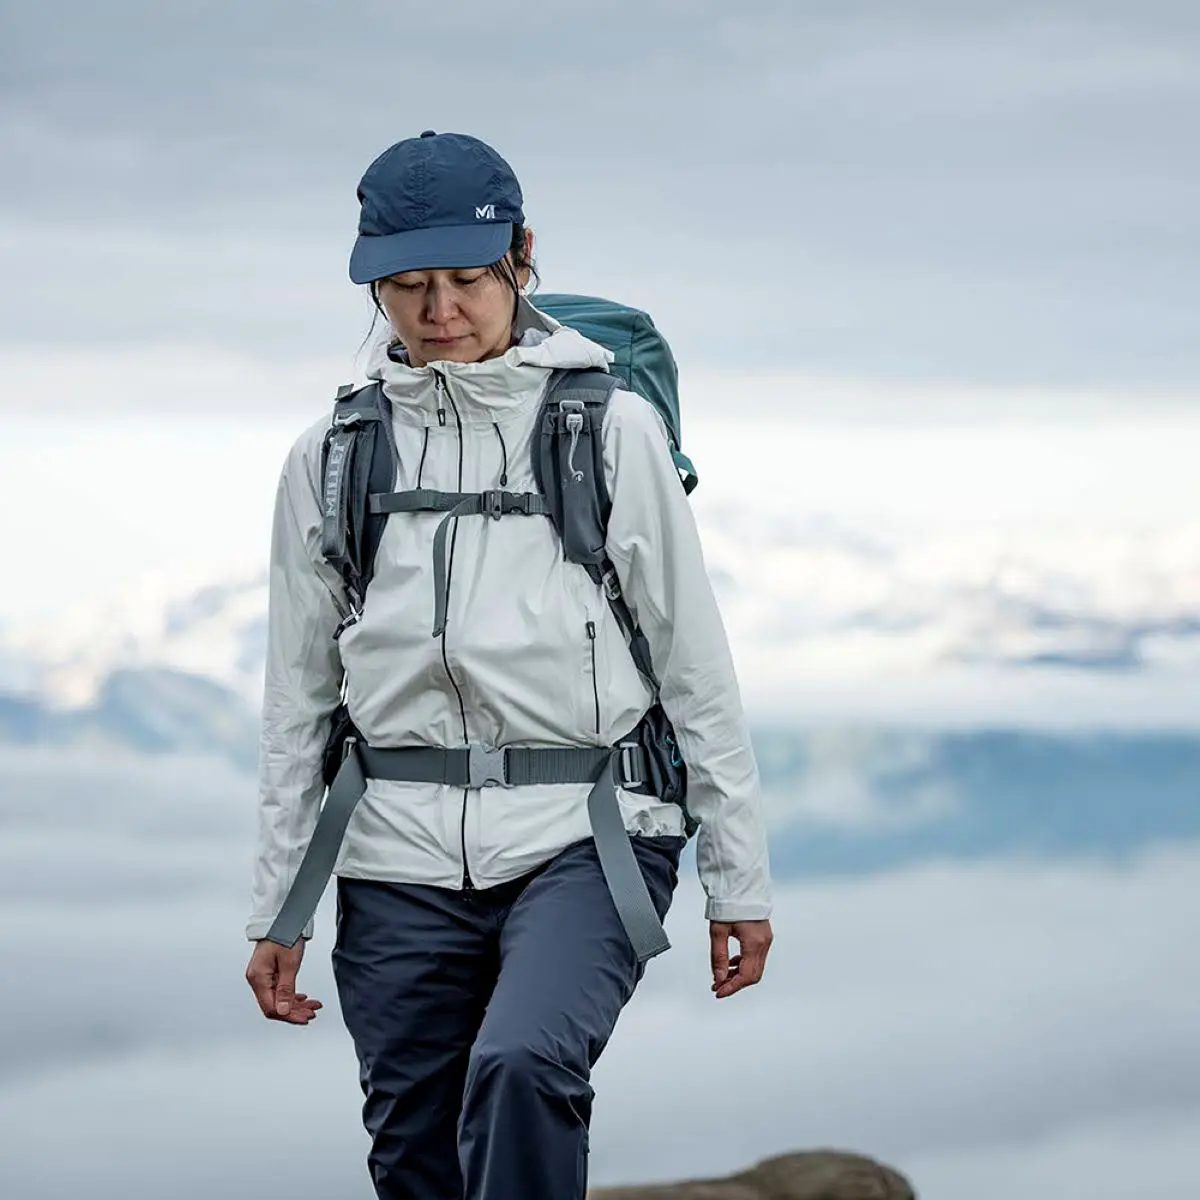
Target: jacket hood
[(487, 391)]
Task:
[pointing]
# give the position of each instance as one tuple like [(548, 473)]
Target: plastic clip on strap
[(612, 585), (487, 766), (351, 618)]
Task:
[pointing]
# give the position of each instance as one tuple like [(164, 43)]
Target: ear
[(523, 276)]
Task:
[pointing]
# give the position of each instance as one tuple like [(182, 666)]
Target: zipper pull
[(591, 628), (441, 412)]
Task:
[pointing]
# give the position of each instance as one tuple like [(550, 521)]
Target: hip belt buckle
[(485, 765)]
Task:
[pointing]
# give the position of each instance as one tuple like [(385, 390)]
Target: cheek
[(404, 312), (493, 312), (392, 308)]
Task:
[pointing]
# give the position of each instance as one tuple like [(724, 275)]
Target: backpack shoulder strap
[(568, 468), (358, 456), (568, 462)]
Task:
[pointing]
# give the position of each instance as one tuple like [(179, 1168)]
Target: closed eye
[(412, 287)]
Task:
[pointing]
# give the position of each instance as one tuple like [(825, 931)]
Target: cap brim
[(473, 245)]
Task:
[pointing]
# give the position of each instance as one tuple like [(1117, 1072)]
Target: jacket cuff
[(737, 910)]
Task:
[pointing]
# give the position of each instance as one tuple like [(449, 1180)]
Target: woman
[(480, 961)]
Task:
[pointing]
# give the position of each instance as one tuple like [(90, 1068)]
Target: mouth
[(444, 341)]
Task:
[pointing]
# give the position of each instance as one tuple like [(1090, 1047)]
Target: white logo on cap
[(486, 213)]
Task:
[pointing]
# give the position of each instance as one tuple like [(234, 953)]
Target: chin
[(462, 348)]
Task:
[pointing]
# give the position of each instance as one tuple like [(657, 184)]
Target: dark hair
[(503, 268)]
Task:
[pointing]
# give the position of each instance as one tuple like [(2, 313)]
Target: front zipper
[(443, 391), (591, 632)]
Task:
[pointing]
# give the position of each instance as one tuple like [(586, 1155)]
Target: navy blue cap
[(438, 200)]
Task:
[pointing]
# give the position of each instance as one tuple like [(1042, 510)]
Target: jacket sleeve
[(655, 547), (302, 684)]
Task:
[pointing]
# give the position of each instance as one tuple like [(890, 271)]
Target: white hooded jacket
[(516, 664)]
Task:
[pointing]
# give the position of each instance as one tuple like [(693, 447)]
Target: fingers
[(744, 974), (272, 978), (285, 986), (302, 1011), (718, 951), (260, 975), (754, 939)]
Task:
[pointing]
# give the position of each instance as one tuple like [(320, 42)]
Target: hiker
[(492, 637)]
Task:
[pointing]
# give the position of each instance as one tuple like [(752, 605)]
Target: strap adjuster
[(485, 765), (491, 502), (612, 585), (631, 761)]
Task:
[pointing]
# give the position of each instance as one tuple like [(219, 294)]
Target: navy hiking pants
[(476, 1019)]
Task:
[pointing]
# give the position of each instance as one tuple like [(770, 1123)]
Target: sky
[(930, 274), (957, 192)]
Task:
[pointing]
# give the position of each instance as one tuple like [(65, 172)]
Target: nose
[(440, 304)]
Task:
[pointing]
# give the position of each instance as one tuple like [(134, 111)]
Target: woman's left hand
[(732, 974)]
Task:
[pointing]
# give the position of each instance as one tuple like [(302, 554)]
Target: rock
[(807, 1175)]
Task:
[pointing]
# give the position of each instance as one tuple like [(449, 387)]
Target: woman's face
[(467, 305)]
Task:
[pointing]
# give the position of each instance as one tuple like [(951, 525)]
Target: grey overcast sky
[(999, 194)]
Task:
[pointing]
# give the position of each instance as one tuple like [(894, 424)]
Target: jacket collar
[(486, 391)]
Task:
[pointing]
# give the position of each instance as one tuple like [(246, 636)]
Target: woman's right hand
[(271, 975)]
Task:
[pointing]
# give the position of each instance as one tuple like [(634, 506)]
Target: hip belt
[(475, 766)]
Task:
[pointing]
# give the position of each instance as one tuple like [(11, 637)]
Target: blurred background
[(929, 271)]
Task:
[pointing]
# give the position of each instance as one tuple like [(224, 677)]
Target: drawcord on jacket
[(504, 452), (425, 447)]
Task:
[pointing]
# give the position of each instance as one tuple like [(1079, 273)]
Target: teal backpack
[(644, 362), (359, 460)]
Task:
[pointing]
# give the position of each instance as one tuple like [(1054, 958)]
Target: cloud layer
[(989, 1025)]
